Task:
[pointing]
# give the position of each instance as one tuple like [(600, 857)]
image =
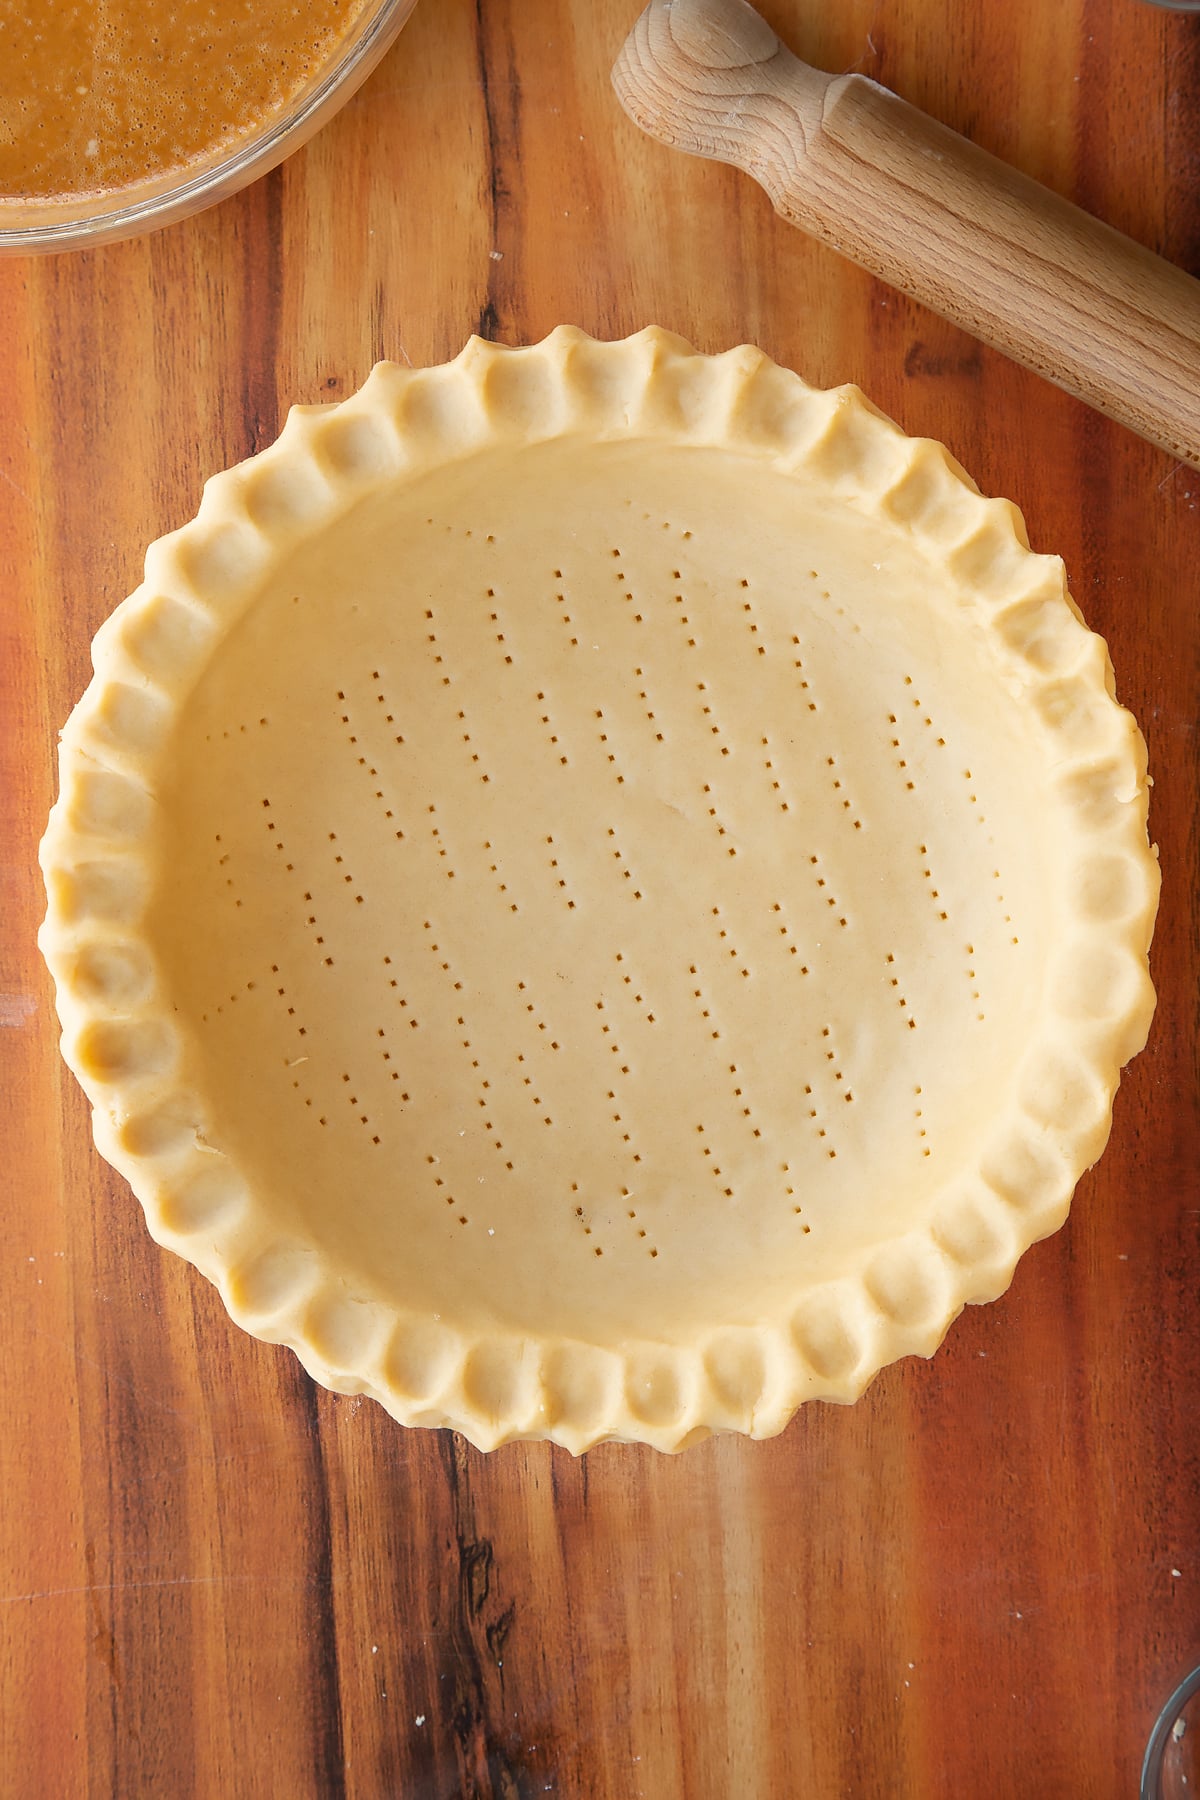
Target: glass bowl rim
[(1151, 1783)]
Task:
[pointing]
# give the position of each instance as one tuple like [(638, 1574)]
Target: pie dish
[(600, 892)]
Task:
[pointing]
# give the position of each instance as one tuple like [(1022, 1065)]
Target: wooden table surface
[(216, 1580)]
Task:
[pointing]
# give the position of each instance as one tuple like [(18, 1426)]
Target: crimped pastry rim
[(120, 1043)]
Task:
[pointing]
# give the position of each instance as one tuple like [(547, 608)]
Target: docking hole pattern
[(571, 920)]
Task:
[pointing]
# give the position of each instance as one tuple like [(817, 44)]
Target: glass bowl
[(84, 220), (1171, 1770)]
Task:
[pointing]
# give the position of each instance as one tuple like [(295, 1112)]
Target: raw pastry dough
[(600, 892)]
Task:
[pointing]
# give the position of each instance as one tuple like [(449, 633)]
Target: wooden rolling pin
[(927, 211)]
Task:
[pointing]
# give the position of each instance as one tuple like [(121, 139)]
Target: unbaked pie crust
[(600, 892)]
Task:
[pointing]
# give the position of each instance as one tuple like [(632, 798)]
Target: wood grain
[(927, 211), (216, 1580)]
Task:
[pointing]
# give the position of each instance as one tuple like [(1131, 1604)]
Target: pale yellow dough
[(599, 891)]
